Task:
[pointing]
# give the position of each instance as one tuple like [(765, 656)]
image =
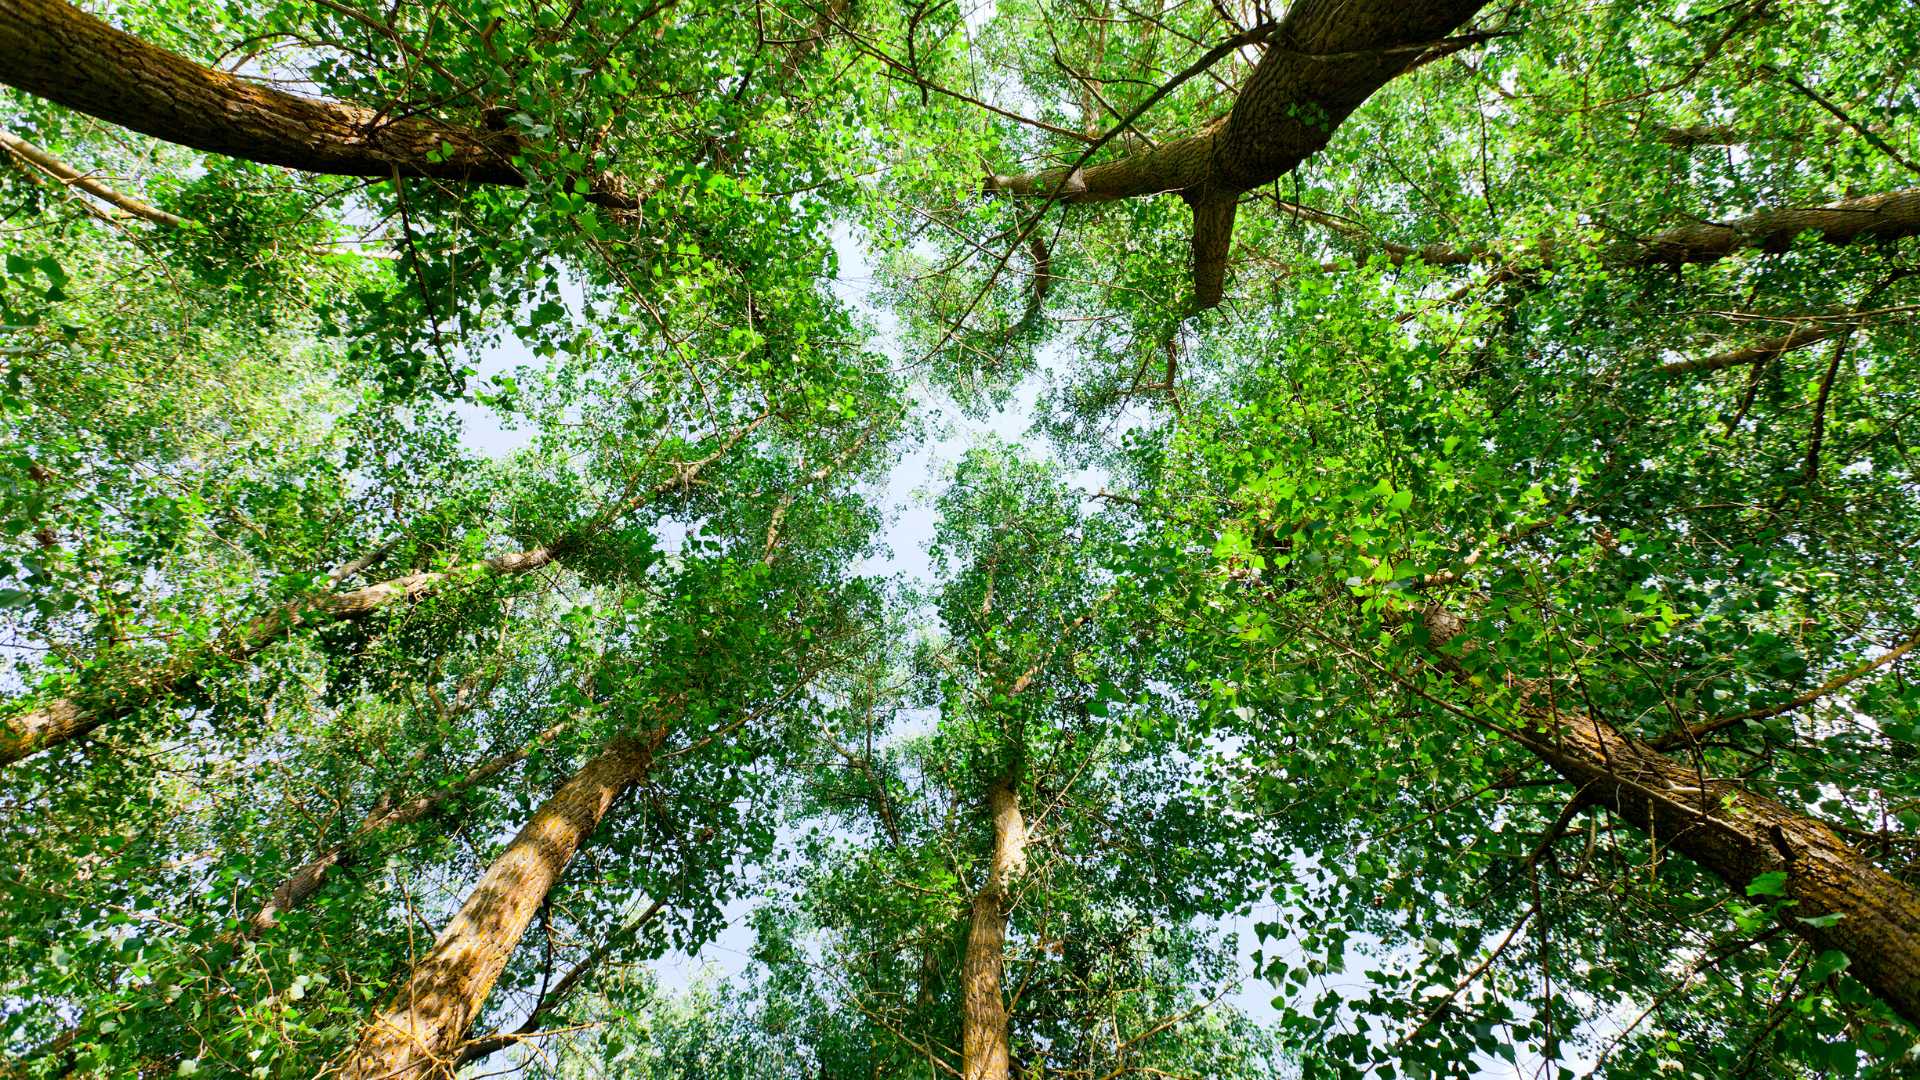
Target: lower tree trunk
[(984, 1047), (420, 1032), (1730, 831)]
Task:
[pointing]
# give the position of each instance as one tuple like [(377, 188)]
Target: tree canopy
[(842, 539)]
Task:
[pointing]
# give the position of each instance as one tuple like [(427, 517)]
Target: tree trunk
[(53, 50), (1325, 59), (64, 719), (1726, 829), (984, 1048), (419, 1033)]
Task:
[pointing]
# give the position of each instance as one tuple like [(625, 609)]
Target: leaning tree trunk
[(420, 1032), (53, 50), (65, 719), (984, 1047), (1726, 829)]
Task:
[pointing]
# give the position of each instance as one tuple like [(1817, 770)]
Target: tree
[(1456, 578)]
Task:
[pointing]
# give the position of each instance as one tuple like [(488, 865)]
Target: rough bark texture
[(420, 1033), (486, 1045), (1327, 57), (984, 1047), (1885, 216), (1728, 830), (53, 50)]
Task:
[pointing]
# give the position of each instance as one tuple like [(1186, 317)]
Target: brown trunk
[(984, 1047), (53, 50), (1887, 216), (420, 1032), (1324, 60), (1731, 832)]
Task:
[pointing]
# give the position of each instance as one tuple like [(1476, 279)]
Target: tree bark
[(53, 50), (420, 1032), (1886, 216), (1725, 828), (1326, 58), (487, 1045), (984, 1046), (65, 719)]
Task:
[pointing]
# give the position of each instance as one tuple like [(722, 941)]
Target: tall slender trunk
[(984, 1047), (1728, 830), (419, 1033), (65, 719)]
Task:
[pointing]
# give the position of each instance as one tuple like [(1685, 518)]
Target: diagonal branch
[(53, 50), (72, 177)]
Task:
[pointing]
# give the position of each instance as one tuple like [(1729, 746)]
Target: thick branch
[(1758, 352), (1886, 216), (53, 50), (73, 177)]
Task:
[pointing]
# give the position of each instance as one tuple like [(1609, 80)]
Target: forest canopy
[(991, 539)]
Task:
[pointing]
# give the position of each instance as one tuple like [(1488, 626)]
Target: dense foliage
[(1443, 601)]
